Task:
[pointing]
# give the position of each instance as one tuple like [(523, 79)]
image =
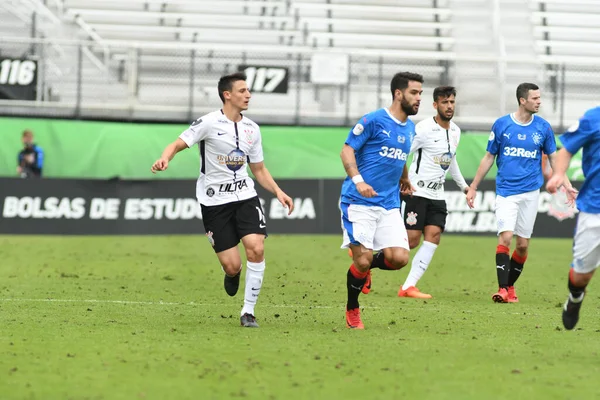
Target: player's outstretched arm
[(484, 167), (349, 161), (264, 178), (167, 155), (560, 163)]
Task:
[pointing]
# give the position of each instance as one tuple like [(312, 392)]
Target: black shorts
[(226, 224), (420, 212)]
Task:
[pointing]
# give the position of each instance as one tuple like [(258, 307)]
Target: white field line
[(192, 303)]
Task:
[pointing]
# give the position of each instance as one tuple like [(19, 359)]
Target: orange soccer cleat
[(501, 296), (367, 286), (512, 295), (414, 293), (353, 319)]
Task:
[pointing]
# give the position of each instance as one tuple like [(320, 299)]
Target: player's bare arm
[(406, 188), (349, 161), (264, 178), (167, 155), (484, 167), (559, 161)]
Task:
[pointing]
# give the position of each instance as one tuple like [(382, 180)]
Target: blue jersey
[(586, 134), (518, 149), (381, 144)]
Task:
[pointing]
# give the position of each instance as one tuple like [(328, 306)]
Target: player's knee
[(414, 242), (399, 260), (231, 269), (363, 261), (522, 248), (255, 253)]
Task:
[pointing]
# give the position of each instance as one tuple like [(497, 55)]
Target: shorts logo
[(411, 218), (210, 192), (209, 236)]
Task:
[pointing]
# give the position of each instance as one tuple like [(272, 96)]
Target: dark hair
[(523, 90), (443, 92), (401, 79), (226, 83)]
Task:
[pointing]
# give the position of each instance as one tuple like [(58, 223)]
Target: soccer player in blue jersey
[(516, 143), (374, 157), (586, 244)]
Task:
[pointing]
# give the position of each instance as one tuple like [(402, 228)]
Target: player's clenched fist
[(365, 190), (160, 165)]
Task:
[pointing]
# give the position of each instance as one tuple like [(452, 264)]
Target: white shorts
[(586, 244), (374, 227), (517, 213)]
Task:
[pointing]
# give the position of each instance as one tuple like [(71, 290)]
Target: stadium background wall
[(82, 207), (104, 150)]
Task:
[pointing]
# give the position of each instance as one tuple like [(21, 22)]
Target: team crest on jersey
[(537, 138), (411, 218), (210, 192), (249, 137), (559, 208), (211, 240)]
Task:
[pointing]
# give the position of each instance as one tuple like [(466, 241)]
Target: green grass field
[(147, 318)]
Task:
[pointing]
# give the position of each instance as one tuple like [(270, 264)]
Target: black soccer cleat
[(570, 314), (232, 283), (248, 321)]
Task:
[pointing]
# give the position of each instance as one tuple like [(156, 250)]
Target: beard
[(407, 108), (444, 118)]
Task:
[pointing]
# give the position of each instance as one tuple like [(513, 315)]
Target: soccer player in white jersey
[(516, 142), (374, 157), (228, 141), (585, 134), (434, 154)]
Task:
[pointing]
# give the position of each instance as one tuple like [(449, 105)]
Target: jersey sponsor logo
[(234, 160), (537, 138), (232, 187), (358, 129), (443, 161), (401, 139), (411, 218), (520, 152), (392, 152), (210, 192)]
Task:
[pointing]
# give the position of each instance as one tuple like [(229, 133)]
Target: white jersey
[(225, 149), (434, 153)]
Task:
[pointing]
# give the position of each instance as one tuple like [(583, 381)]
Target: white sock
[(254, 279), (419, 264)]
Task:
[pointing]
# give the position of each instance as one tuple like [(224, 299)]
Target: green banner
[(88, 149)]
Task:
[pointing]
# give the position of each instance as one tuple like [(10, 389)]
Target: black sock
[(502, 269), (354, 285), (379, 262), (514, 272), (576, 291)]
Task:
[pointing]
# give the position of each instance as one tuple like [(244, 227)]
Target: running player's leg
[(586, 259), (252, 229), (219, 224), (416, 217), (528, 207), (358, 225), (506, 219), (391, 238)]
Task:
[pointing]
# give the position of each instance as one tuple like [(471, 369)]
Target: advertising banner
[(87, 207)]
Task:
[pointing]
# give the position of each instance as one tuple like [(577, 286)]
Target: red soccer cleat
[(512, 295), (414, 293), (501, 296), (353, 319), (367, 286)]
